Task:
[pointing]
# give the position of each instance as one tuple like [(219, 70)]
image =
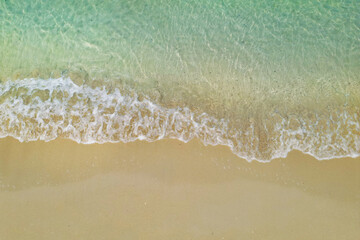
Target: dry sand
[(172, 190)]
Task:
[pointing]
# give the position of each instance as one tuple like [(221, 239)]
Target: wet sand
[(172, 190)]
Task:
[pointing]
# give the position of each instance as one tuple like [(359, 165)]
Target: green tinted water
[(249, 62)]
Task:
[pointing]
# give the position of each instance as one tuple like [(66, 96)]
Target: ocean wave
[(45, 109)]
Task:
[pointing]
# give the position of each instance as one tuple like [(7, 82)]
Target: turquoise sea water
[(263, 77)]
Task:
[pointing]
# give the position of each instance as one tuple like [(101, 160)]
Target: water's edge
[(37, 109)]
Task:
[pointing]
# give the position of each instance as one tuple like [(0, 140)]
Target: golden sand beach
[(134, 120), (172, 190)]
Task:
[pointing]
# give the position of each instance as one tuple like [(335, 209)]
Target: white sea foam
[(38, 109)]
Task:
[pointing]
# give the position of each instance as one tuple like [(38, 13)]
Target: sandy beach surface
[(172, 190)]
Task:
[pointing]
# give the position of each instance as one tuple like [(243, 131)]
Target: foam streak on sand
[(38, 109)]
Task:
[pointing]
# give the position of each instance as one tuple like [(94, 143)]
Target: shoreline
[(33, 109), (62, 189)]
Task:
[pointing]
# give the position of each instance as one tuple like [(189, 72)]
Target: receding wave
[(38, 109)]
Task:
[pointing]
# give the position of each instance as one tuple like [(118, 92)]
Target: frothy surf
[(46, 109)]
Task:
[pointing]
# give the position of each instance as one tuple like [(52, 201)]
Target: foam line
[(37, 109)]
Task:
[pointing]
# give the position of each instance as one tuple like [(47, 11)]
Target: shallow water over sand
[(263, 77)]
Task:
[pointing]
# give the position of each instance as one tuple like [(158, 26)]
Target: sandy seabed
[(172, 190)]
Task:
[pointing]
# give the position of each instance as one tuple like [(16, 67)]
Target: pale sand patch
[(172, 190)]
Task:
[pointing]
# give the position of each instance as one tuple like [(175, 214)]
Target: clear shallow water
[(263, 77)]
